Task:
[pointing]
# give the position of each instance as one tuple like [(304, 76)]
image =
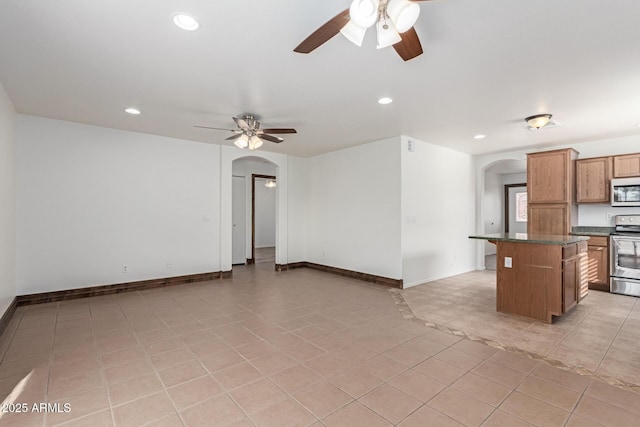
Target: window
[(521, 207)]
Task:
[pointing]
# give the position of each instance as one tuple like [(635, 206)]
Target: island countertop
[(544, 239)]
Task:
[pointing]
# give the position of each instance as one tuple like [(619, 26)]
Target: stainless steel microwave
[(625, 192)]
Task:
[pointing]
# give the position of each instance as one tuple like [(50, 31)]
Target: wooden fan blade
[(409, 47), (242, 124), (232, 137), (324, 33), (278, 130), (271, 138), (208, 127)]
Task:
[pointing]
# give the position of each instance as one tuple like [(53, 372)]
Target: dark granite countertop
[(592, 231), (544, 239)]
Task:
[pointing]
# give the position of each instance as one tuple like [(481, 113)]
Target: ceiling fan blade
[(271, 138), (242, 124), (324, 33), (409, 47), (232, 137), (208, 127), (278, 130)]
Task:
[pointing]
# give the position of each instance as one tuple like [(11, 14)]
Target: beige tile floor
[(601, 334), (278, 349)]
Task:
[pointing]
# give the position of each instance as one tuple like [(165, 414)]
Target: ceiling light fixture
[(132, 111), (186, 22), (242, 141), (385, 100), (391, 18), (479, 136), (270, 184), (538, 121)]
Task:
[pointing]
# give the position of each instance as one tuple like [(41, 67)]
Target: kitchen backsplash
[(602, 215)]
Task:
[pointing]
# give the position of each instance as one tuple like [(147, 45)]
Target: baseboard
[(251, 261), (8, 315), (372, 278), (118, 288)]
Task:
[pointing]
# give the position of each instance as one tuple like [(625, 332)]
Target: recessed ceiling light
[(133, 111), (186, 22), (385, 100), (479, 136)]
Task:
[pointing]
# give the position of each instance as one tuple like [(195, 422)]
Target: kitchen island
[(539, 276)]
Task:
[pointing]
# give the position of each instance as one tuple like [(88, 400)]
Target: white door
[(239, 221)]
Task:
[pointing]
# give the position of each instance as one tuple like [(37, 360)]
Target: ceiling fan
[(394, 20), (249, 135)]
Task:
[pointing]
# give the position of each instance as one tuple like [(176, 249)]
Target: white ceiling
[(487, 64)]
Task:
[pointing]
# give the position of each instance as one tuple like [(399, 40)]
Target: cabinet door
[(570, 283), (593, 180), (548, 219), (626, 166), (548, 177), (598, 268)]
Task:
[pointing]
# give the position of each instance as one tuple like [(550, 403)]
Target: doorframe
[(506, 203), (252, 260)]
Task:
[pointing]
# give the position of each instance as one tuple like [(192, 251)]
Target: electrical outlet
[(169, 264), (609, 215), (125, 268), (508, 262)]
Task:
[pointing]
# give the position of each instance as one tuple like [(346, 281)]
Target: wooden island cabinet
[(539, 276)]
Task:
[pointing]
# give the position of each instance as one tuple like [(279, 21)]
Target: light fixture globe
[(364, 13), (387, 34), (242, 141), (403, 13), (538, 121), (354, 33), (255, 142)]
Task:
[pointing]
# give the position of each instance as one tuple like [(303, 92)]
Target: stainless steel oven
[(625, 256)]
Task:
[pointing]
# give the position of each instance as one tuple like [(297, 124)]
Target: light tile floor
[(602, 334), (278, 349)]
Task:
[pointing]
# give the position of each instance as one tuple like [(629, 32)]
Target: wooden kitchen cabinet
[(626, 166), (549, 176), (598, 263), (551, 191), (593, 180), (548, 219)]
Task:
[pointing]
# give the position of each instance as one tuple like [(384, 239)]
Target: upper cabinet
[(593, 178), (626, 166), (550, 191), (549, 176)]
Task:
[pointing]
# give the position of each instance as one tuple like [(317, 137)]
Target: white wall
[(354, 209), (493, 208), (298, 207), (93, 199), (7, 201), (438, 212)]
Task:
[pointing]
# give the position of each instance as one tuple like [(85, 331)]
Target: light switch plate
[(508, 263)]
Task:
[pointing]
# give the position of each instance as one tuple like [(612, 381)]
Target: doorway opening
[(254, 211), (263, 209), (515, 208)]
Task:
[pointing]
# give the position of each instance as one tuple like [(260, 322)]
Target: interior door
[(239, 216)]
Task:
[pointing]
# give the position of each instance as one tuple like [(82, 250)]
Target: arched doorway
[(254, 210)]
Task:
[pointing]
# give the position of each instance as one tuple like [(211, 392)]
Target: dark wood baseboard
[(118, 288), (8, 315), (372, 278), (251, 261)]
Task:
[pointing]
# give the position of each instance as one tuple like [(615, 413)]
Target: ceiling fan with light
[(394, 20), (249, 135)]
